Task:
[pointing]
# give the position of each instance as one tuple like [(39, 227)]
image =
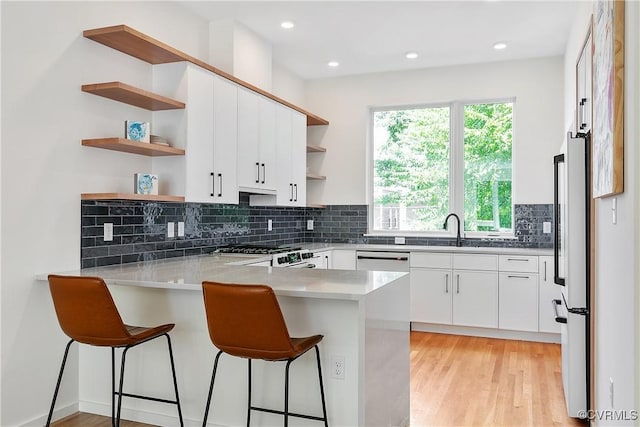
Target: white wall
[(616, 299), (536, 84), (44, 168), (288, 86)]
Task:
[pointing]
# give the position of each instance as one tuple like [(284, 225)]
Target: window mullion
[(457, 161)]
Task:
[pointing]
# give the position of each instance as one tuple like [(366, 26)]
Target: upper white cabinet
[(256, 142), (291, 162), (207, 130)]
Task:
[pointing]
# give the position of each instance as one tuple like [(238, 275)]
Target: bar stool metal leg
[(286, 393), (124, 357), (175, 381), (324, 406), (213, 378), (249, 389), (55, 393), (113, 387)]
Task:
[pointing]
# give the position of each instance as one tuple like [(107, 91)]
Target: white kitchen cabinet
[(206, 129), (431, 295), (343, 259), (475, 298), (256, 142), (584, 97), (518, 301), (548, 291), (458, 289), (518, 293), (299, 157)]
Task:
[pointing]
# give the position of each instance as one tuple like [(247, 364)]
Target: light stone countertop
[(188, 273)]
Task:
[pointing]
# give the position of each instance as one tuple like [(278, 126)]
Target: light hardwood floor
[(466, 381)]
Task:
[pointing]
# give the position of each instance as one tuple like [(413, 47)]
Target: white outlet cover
[(108, 232), (309, 224), (269, 225), (399, 240), (546, 227), (180, 229), (170, 230)]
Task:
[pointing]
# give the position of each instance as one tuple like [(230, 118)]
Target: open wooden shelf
[(139, 45), (127, 196), (134, 147), (123, 92), (317, 177), (316, 205), (315, 149)]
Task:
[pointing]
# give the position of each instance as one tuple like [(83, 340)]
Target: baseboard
[(138, 415), (59, 413), (486, 332)]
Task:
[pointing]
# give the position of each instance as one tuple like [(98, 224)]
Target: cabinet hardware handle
[(446, 283), (257, 172), (517, 259), (264, 173), (291, 189), (213, 184), (583, 104), (458, 283), (295, 186), (518, 277), (545, 271), (220, 182)]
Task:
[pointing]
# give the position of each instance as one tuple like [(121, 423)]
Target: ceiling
[(374, 36)]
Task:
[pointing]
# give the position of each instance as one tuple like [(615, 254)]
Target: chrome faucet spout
[(444, 226)]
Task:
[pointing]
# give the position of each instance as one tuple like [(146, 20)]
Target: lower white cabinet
[(518, 301), (321, 260), (343, 259), (446, 295), (475, 298), (548, 291)]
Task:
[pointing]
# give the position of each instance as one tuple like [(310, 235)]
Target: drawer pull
[(446, 283), (458, 283), (518, 259), (518, 277)]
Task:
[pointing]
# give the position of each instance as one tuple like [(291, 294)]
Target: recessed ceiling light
[(333, 64), (287, 25), (499, 45), (411, 55)]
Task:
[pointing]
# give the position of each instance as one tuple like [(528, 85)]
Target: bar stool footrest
[(291, 414), (154, 399)]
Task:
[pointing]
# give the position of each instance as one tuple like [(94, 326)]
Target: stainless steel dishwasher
[(382, 261)]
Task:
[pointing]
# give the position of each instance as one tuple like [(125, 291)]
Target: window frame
[(456, 168)]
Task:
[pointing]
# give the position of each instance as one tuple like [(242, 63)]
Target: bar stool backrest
[(246, 321), (86, 311)]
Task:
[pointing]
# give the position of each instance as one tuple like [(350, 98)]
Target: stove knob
[(282, 260)]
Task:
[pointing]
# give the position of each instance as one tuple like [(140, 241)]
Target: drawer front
[(431, 260), (525, 264), (475, 262)]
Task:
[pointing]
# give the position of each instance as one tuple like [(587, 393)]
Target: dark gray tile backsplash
[(140, 229)]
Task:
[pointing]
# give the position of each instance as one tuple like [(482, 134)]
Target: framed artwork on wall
[(608, 98)]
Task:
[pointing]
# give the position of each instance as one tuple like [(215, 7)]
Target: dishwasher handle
[(385, 258)]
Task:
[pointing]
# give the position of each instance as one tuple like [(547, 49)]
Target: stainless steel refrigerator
[(572, 201)]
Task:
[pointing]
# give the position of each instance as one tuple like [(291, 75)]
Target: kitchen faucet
[(444, 226)]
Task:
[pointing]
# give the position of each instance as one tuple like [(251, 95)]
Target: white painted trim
[(486, 332), (59, 413), (140, 415)]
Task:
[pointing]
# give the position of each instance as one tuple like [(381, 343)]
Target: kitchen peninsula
[(363, 315)]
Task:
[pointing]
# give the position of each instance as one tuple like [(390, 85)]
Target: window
[(432, 160)]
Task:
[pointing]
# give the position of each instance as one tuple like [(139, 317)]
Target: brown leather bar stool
[(246, 321), (87, 314)]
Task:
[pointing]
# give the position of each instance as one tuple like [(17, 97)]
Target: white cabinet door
[(548, 291), (200, 136), (321, 260), (343, 259), (267, 146), (299, 158), (225, 140), (249, 170), (431, 295), (475, 298), (518, 301), (284, 188)]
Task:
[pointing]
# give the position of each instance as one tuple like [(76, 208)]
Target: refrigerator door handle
[(556, 219), (556, 303), (582, 311)]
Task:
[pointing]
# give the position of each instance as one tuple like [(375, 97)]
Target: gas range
[(297, 258), (254, 249)]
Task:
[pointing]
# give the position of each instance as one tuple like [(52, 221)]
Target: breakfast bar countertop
[(188, 273)]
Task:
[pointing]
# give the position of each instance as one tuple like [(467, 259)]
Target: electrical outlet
[(180, 228), (108, 232), (309, 224), (337, 367), (546, 227), (170, 230), (399, 240), (269, 225)]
